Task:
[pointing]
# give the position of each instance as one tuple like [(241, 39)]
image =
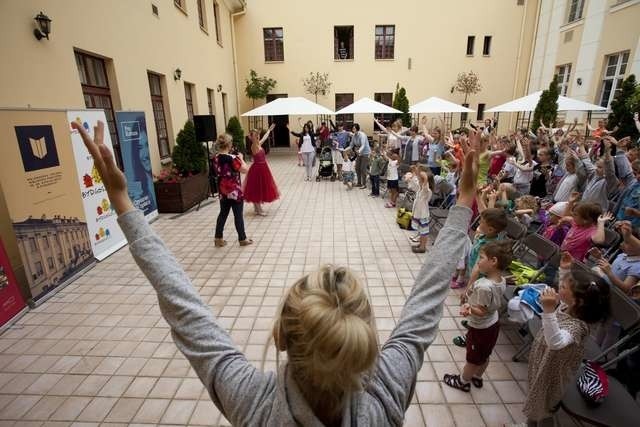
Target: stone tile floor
[(99, 353)]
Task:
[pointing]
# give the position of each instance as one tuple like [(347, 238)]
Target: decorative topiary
[(234, 128), (401, 102), (547, 108), (623, 106), (189, 156)]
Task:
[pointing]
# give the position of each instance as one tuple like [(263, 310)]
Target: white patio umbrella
[(529, 103), (285, 106), (438, 105), (367, 105)]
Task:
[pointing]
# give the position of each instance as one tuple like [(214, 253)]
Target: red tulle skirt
[(259, 186)]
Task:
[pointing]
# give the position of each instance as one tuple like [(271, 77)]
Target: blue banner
[(134, 145)]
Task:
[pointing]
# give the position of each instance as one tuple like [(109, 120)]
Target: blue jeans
[(375, 184)]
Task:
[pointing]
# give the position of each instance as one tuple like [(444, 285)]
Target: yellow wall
[(43, 74), (430, 33)]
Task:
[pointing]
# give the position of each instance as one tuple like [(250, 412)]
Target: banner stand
[(63, 285)]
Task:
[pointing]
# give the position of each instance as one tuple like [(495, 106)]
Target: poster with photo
[(11, 301), (134, 146), (40, 189), (104, 231)]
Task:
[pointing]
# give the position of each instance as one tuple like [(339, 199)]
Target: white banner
[(104, 231)]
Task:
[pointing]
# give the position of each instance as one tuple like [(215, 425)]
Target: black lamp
[(177, 74), (44, 26)]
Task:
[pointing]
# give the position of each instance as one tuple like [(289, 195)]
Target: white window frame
[(564, 78), (613, 78), (575, 11)]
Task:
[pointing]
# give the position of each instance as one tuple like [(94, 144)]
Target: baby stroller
[(325, 164)]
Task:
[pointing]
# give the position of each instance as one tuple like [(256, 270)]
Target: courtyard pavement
[(99, 353)]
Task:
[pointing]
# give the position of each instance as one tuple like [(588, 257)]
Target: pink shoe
[(390, 205)]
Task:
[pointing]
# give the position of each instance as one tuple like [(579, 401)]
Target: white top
[(392, 170), (306, 147), (348, 166), (423, 195), (555, 337), (524, 177), (392, 141), (567, 186)]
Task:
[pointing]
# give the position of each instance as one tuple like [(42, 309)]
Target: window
[(210, 100), (486, 47), (181, 4), (342, 100), (564, 76), (32, 244), (157, 103), (97, 94), (188, 96), (385, 40), (386, 99), (464, 116), (480, 115), (202, 15), (273, 44), (225, 108), (154, 9), (343, 42), (575, 10), (45, 241), (50, 262), (615, 67), (39, 270), (216, 21), (470, 42)]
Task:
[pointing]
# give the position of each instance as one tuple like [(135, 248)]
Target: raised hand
[(112, 177), (549, 300), (604, 266), (469, 175), (565, 260), (607, 216)]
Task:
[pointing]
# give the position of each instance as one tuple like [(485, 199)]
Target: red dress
[(259, 186)]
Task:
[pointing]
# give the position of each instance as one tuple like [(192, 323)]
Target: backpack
[(403, 219)]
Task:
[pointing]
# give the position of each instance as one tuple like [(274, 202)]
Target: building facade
[(367, 47), (592, 45), (51, 248), (169, 58)]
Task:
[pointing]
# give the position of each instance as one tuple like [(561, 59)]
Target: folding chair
[(619, 408), (611, 242), (515, 231), (439, 214), (537, 252)]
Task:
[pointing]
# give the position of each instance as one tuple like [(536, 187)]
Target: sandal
[(465, 324), (219, 243), (418, 250), (246, 242), (460, 341), (477, 382), (456, 382)]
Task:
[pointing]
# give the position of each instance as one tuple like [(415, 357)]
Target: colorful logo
[(87, 180), (80, 122), (104, 207), (102, 233), (95, 175)]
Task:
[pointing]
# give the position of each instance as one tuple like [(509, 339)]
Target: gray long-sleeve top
[(597, 189), (247, 396)]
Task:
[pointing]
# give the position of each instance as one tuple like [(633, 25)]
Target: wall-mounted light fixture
[(43, 28), (579, 81), (219, 88), (177, 74), (452, 89)]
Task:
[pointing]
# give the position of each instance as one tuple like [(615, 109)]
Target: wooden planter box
[(180, 196)]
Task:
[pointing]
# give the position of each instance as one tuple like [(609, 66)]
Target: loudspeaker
[(205, 128)]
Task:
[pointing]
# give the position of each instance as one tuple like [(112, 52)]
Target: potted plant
[(184, 184)]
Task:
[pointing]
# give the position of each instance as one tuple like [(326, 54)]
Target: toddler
[(392, 178), (348, 169), (421, 181), (587, 228)]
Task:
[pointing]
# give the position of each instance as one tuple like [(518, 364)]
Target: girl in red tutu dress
[(259, 186)]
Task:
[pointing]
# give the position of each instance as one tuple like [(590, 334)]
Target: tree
[(467, 83), (258, 87), (234, 128), (624, 104), (189, 156), (317, 84), (401, 102), (547, 108)]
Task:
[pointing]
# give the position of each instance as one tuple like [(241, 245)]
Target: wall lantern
[(43, 26), (177, 74), (219, 88), (579, 81)]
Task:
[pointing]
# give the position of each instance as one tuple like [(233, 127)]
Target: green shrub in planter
[(189, 156)]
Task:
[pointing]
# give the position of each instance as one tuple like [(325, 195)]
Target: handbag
[(593, 383), (403, 219)]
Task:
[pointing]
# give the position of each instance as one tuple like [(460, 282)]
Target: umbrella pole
[(586, 128)]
